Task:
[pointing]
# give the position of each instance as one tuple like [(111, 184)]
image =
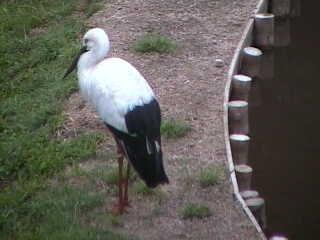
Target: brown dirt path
[(189, 87)]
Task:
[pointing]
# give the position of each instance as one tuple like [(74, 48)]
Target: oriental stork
[(128, 107)]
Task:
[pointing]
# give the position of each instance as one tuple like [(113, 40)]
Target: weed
[(95, 6), (110, 176), (133, 176), (209, 176), (157, 211), (114, 220), (174, 129), (141, 188), (154, 43), (77, 171), (192, 210)]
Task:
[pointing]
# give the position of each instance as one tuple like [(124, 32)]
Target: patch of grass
[(142, 189), (192, 210), (33, 93), (94, 6), (58, 212), (32, 96), (110, 176), (209, 176), (157, 211), (77, 171), (114, 220), (174, 128), (154, 43), (17, 21), (19, 18)]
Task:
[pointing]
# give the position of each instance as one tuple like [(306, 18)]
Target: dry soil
[(189, 86)]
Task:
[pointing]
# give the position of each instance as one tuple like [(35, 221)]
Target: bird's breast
[(105, 99), (114, 88), (85, 84)]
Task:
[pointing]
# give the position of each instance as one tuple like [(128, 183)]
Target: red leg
[(118, 208), (120, 179), (125, 198)]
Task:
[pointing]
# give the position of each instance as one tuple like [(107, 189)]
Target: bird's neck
[(91, 58), (86, 64), (88, 60)]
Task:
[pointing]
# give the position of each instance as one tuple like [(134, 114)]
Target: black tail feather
[(147, 162), (148, 166)]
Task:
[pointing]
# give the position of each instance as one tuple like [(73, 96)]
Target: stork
[(128, 107)]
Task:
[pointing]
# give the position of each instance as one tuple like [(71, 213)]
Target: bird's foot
[(119, 209), (126, 203)]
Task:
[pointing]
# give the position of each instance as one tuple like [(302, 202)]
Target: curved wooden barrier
[(252, 60), (245, 66)]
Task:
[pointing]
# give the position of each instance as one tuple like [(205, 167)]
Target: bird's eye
[(86, 41)]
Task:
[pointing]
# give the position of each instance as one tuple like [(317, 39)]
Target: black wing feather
[(143, 124), (145, 120)]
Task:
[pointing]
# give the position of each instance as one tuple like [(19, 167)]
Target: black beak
[(75, 61)]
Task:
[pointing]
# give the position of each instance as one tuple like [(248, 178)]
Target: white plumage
[(112, 85)]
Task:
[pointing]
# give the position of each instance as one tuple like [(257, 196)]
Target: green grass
[(94, 6), (32, 96), (209, 176), (192, 210), (154, 43), (114, 220), (33, 92), (60, 211), (110, 176), (142, 189), (174, 129)]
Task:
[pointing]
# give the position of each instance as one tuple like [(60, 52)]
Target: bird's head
[(96, 39), (95, 42)]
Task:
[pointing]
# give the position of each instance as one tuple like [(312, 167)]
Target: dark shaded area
[(285, 131)]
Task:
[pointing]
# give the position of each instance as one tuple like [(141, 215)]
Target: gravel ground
[(189, 85)]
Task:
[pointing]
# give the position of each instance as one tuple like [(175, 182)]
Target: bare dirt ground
[(189, 87)]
